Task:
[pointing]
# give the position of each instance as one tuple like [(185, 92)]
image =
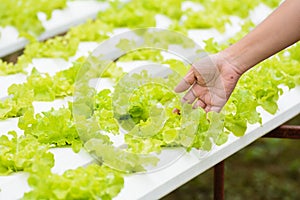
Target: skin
[(211, 80)]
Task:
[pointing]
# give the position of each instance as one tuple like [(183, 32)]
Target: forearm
[(278, 31)]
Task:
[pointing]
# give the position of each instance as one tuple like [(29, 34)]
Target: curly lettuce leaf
[(91, 182), (118, 158), (23, 15), (17, 103), (7, 68), (23, 153), (55, 128)]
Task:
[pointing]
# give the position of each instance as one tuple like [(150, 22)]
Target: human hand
[(210, 81)]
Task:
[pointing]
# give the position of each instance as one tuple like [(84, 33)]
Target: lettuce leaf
[(91, 182), (23, 153), (55, 128), (23, 15)]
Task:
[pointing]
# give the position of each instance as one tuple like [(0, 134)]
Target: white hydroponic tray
[(75, 13), (157, 183)]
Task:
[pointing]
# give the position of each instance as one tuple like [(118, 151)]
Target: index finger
[(186, 82)]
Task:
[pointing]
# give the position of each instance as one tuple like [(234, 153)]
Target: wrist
[(234, 60)]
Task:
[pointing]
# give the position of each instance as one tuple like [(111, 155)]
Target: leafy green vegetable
[(91, 30), (7, 68), (92, 182), (23, 153), (205, 19), (133, 15), (217, 13), (17, 103), (144, 54), (55, 127), (58, 47), (119, 159), (39, 87), (23, 14), (178, 66), (170, 8), (104, 112), (144, 107)]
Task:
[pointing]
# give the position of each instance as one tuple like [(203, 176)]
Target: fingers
[(199, 96), (213, 108), (190, 96), (199, 103), (186, 82)]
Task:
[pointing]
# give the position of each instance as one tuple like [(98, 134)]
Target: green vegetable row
[(23, 14), (135, 14)]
